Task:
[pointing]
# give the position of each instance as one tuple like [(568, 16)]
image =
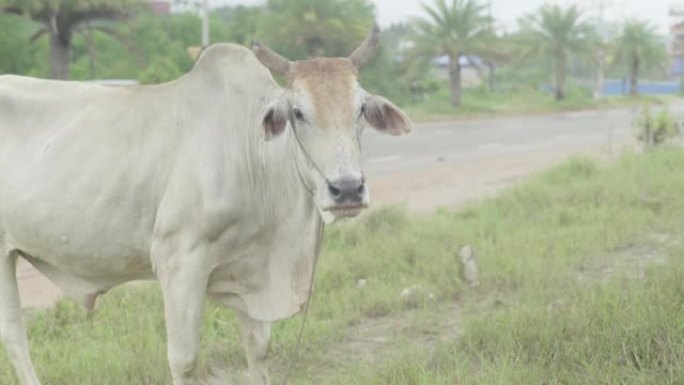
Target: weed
[(652, 130)]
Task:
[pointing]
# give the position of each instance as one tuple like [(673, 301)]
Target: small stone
[(409, 291), (361, 283), (468, 266)]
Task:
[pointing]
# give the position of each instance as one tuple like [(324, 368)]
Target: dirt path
[(440, 184)]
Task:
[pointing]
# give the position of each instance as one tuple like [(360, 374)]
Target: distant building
[(473, 69), (676, 40), (160, 7)]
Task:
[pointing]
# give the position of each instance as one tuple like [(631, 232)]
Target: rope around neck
[(308, 156), (300, 335), (293, 362)]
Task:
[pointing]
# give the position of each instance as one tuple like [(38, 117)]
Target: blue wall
[(614, 87)]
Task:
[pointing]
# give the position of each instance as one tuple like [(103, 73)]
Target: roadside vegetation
[(480, 102), (580, 282), (654, 130), (557, 33), (452, 59), (638, 49)]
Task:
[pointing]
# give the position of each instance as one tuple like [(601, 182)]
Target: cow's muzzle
[(348, 195)]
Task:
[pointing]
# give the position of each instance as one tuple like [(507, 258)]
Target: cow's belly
[(82, 260), (94, 244), (97, 244), (95, 259)]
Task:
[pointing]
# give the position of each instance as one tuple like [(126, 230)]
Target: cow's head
[(329, 109)]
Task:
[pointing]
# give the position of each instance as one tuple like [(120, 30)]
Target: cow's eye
[(298, 114)]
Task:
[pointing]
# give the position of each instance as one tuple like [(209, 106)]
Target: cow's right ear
[(275, 121)]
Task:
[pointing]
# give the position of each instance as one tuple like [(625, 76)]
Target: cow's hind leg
[(256, 338), (12, 330)]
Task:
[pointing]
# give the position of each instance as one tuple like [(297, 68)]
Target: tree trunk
[(455, 80), (634, 78), (59, 58), (600, 79), (560, 79), (492, 76)]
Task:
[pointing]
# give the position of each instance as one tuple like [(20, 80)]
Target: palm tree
[(308, 28), (454, 29), (61, 20), (556, 33), (639, 48)]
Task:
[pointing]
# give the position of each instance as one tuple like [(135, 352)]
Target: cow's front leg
[(12, 330), (256, 339), (183, 279)]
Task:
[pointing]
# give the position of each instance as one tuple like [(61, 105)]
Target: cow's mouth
[(347, 210)]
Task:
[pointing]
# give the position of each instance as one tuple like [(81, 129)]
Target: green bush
[(159, 70), (655, 130)]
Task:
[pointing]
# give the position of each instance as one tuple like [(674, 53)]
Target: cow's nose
[(347, 189)]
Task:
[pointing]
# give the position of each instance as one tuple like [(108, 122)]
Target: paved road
[(450, 162), (472, 140)]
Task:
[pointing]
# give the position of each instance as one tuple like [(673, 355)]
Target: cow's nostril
[(334, 191), (347, 190)]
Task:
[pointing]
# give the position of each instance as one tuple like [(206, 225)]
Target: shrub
[(655, 130)]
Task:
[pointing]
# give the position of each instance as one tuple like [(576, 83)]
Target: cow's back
[(81, 170), (84, 168)]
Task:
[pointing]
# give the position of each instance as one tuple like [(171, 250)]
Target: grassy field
[(480, 102), (580, 283)]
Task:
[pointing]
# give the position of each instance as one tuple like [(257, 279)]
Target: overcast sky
[(507, 11)]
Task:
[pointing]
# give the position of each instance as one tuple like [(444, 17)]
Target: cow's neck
[(289, 189)]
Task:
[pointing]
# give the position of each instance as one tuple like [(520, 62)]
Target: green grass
[(626, 331), (546, 311), (480, 102)]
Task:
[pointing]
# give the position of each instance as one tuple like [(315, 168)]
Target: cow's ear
[(386, 117), (275, 121)]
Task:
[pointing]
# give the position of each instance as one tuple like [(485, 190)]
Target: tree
[(638, 47), (17, 56), (237, 24), (159, 70), (394, 73), (60, 20), (454, 29), (556, 33), (308, 28)]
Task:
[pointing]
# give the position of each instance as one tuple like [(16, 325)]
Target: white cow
[(215, 184)]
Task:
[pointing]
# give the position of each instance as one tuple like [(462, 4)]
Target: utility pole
[(600, 52), (488, 63), (205, 23), (489, 16)]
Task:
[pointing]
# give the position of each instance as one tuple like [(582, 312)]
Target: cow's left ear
[(275, 121), (386, 117)]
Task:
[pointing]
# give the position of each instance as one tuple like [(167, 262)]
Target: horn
[(367, 49), (270, 59)]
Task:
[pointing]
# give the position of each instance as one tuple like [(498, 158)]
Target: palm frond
[(38, 35)]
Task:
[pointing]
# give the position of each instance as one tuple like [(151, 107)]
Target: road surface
[(452, 162)]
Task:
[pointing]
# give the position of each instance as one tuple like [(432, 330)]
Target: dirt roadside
[(443, 183)]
